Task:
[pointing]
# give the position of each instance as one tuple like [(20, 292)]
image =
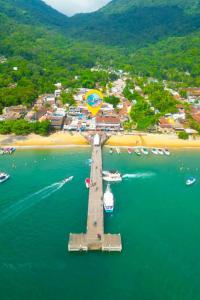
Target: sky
[(71, 7)]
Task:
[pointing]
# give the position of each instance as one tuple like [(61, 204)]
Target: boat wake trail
[(139, 175), (25, 203)]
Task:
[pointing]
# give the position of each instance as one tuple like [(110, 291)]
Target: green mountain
[(31, 12), (119, 6), (47, 47), (136, 23)]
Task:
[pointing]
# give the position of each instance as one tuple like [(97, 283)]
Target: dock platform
[(95, 239)]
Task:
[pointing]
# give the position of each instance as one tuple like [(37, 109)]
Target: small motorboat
[(4, 177), (154, 151), (111, 151), (112, 176), (118, 150), (130, 151), (190, 181), (108, 200), (166, 152), (160, 152), (137, 152), (68, 179), (145, 151), (87, 182)]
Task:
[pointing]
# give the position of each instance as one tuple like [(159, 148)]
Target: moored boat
[(145, 151), (160, 152), (137, 152), (108, 200), (4, 177), (166, 152), (111, 151), (7, 150), (87, 182), (118, 150), (154, 151), (130, 151), (190, 181)]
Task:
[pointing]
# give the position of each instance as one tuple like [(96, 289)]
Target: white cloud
[(71, 7)]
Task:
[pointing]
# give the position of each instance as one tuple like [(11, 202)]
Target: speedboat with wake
[(112, 176), (4, 177), (190, 181), (68, 179), (108, 200)]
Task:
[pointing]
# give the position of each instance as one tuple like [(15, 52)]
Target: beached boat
[(130, 151), (160, 152), (108, 200), (68, 179), (4, 177), (145, 151), (166, 152), (190, 181), (154, 151), (87, 182), (112, 176)]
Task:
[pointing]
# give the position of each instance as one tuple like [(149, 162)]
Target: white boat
[(118, 150), (160, 151), (166, 152), (190, 181), (88, 183), (68, 179), (108, 200), (111, 151), (4, 177), (145, 151), (130, 151), (112, 176), (137, 152), (154, 151)]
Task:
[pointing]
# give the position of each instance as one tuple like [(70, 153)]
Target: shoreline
[(62, 140)]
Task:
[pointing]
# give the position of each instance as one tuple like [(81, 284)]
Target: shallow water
[(156, 214)]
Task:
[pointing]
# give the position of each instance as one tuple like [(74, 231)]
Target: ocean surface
[(156, 214)]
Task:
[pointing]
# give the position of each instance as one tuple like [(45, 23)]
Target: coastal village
[(76, 117)]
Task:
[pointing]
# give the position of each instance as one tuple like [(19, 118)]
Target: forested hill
[(34, 12), (119, 6), (137, 25), (47, 47)]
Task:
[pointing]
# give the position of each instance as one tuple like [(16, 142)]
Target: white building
[(96, 141)]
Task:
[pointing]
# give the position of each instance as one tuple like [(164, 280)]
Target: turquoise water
[(157, 215)]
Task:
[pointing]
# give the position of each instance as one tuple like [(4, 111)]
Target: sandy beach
[(63, 139), (153, 140), (58, 139)]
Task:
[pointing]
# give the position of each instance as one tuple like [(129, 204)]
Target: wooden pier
[(95, 238)]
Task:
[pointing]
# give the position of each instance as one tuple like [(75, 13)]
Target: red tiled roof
[(107, 119)]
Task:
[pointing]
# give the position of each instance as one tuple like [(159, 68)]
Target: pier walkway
[(95, 238)]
